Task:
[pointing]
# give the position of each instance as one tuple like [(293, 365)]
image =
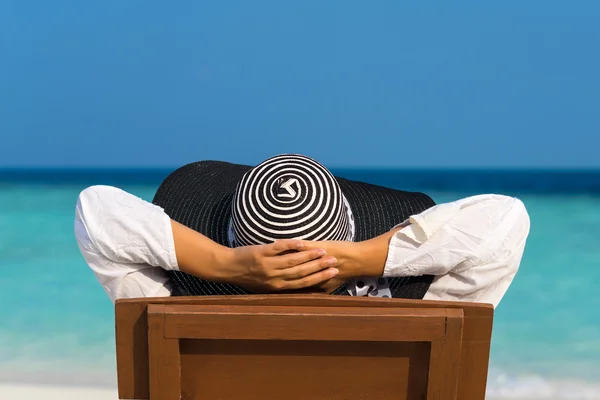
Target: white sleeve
[(126, 241), (473, 246)]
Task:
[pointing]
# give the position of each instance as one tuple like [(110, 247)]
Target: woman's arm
[(130, 243), (452, 237), (283, 265)]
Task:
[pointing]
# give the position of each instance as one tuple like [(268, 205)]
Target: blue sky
[(351, 83)]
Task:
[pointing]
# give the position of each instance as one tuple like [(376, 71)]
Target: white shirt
[(473, 246)]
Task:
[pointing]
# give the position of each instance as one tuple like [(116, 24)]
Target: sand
[(47, 392), (39, 392)]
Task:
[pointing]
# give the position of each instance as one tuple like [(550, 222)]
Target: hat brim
[(199, 195)]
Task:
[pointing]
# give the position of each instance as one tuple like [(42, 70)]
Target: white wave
[(502, 385), (102, 372)]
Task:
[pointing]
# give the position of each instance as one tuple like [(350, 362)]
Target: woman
[(288, 224)]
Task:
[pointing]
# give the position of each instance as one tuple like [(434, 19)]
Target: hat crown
[(289, 196), (288, 188)]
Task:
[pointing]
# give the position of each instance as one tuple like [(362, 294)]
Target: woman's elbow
[(512, 237), (510, 216), (89, 211), (505, 230), (521, 221)]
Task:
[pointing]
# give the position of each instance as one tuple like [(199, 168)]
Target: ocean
[(58, 326)]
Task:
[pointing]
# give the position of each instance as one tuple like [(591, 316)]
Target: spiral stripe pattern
[(289, 197)]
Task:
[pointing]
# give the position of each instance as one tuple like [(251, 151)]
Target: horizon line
[(347, 168)]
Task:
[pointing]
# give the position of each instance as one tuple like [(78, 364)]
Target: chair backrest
[(301, 347)]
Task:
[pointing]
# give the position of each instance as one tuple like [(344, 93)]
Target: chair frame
[(149, 332)]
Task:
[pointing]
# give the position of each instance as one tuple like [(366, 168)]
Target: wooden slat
[(164, 361), (292, 370), (304, 323), (131, 337), (469, 308), (473, 370), (444, 365)]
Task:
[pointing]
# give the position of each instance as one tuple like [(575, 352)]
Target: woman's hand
[(356, 259), (280, 266), (349, 258)]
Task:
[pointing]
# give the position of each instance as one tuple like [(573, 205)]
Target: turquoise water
[(57, 324)]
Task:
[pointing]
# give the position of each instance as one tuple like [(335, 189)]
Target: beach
[(47, 392), (57, 341)]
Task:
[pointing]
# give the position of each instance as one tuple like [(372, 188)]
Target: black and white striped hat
[(287, 196)]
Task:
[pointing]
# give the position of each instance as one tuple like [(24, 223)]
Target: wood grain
[(304, 323), (133, 355), (163, 358)]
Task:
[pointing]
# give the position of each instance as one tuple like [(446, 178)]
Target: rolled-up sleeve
[(473, 246), (126, 241)]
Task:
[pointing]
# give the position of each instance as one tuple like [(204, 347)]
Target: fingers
[(281, 246), (297, 258), (298, 264), (307, 268), (310, 244), (312, 280)]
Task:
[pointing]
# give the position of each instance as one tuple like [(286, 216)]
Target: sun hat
[(286, 196), (289, 196)]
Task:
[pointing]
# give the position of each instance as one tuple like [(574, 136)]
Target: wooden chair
[(313, 347)]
